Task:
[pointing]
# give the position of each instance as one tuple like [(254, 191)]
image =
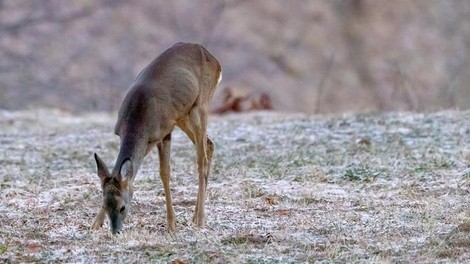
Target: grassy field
[(381, 188)]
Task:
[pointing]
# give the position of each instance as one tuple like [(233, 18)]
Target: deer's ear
[(103, 172), (126, 171)]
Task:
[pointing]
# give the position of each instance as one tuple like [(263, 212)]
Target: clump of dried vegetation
[(283, 189)]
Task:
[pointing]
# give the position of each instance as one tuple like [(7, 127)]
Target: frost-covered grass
[(283, 189)]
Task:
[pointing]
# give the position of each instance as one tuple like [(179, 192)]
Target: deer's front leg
[(99, 219), (164, 154)]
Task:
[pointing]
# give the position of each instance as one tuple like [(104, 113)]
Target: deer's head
[(117, 191)]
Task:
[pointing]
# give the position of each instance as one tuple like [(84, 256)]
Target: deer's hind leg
[(195, 126)]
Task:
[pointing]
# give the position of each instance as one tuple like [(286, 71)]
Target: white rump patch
[(220, 77)]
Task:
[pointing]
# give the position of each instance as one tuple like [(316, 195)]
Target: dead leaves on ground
[(271, 199)]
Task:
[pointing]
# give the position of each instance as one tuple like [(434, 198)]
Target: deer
[(175, 89)]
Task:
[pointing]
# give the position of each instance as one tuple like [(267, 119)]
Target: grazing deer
[(174, 90)]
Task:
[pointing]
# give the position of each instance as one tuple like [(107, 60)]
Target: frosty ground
[(284, 188)]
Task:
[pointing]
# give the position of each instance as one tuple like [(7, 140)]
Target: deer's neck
[(133, 148)]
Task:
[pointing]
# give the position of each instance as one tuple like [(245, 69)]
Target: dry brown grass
[(284, 189)]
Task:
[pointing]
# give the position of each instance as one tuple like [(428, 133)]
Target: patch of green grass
[(159, 255), (210, 257), (3, 249), (305, 201), (352, 175), (436, 163), (251, 163), (442, 163), (251, 190), (262, 261), (237, 240), (363, 174), (298, 178), (273, 168), (420, 168)]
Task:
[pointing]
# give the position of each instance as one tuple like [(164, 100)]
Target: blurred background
[(312, 56)]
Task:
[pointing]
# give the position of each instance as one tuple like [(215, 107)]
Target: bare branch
[(329, 65)]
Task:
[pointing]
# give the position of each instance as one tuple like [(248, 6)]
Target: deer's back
[(166, 90)]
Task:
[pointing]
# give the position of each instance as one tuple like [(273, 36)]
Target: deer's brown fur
[(173, 90)]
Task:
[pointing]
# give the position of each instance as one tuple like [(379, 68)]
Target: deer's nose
[(116, 231), (116, 226)]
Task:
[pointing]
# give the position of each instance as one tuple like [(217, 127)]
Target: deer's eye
[(123, 208)]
